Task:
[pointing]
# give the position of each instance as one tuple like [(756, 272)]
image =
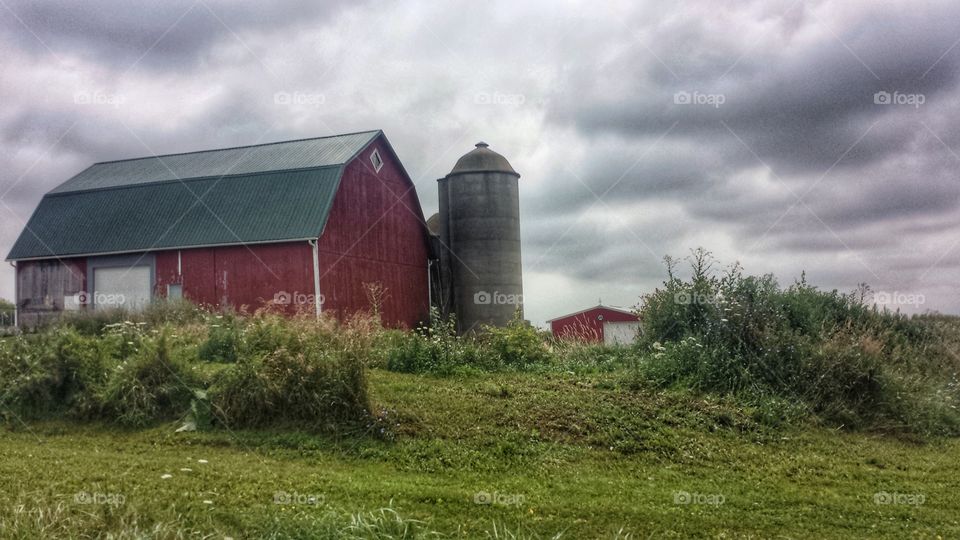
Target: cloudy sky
[(790, 136)]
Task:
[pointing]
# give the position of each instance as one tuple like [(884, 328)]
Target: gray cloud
[(175, 34)]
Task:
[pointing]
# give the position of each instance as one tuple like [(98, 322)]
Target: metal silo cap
[(482, 159)]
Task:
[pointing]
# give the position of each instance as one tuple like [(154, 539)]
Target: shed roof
[(264, 193), (599, 306)]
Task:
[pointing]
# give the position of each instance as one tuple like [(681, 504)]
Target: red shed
[(307, 224), (600, 323)]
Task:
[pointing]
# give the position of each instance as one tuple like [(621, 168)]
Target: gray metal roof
[(266, 193), (286, 155), (482, 159)]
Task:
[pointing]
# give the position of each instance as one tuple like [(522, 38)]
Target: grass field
[(551, 454)]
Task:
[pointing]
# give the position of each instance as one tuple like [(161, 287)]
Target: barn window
[(174, 291), (375, 159)]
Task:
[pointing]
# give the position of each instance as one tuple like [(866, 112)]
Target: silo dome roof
[(482, 159), (433, 224)]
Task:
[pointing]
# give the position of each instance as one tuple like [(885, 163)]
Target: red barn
[(308, 224), (601, 323)]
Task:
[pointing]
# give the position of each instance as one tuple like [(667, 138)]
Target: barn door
[(121, 287), (620, 333)]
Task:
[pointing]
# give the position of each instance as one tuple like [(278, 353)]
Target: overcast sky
[(790, 136)]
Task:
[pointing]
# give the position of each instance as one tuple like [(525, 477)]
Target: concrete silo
[(481, 279)]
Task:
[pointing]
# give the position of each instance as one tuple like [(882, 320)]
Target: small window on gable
[(375, 159)]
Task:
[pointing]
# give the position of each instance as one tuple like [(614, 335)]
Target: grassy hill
[(745, 410), (565, 453)]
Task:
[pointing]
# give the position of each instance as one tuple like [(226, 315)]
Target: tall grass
[(296, 371), (787, 352), (845, 361), (263, 369), (29, 521), (436, 348)]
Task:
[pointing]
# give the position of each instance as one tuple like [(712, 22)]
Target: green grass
[(582, 456)]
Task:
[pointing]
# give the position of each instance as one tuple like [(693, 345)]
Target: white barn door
[(620, 333), (121, 287)]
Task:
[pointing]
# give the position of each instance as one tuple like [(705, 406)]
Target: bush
[(222, 341), (846, 362), (587, 357), (125, 375), (151, 385), (6, 312), (93, 322), (295, 371), (52, 372), (518, 345), (439, 350)]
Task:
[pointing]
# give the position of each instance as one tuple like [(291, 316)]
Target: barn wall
[(376, 233), (41, 286), (245, 277), (587, 325)]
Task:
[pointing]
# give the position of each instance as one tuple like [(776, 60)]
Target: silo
[(480, 229)]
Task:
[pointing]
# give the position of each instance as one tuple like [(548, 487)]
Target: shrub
[(53, 371), (151, 385), (6, 312), (587, 357), (846, 362), (295, 371), (517, 345), (438, 349), (125, 375), (93, 322), (31, 375), (222, 341)]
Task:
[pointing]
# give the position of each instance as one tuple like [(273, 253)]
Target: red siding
[(376, 233), (240, 276), (587, 325)]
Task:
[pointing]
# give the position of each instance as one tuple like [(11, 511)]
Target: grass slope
[(572, 454)]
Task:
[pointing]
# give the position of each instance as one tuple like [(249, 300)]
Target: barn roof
[(252, 194)]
